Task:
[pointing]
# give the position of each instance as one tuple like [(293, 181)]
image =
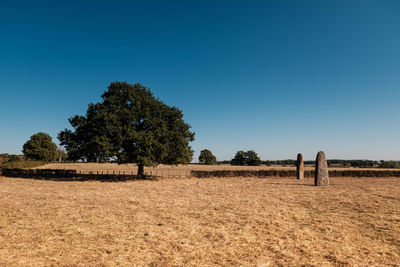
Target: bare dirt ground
[(200, 222)]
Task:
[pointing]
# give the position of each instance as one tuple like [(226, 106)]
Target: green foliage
[(13, 158), (331, 163), (289, 173), (252, 158), (352, 163), (364, 163), (206, 157), (246, 158), (239, 159), (40, 147), (22, 164), (389, 164), (130, 125), (5, 157), (286, 162)]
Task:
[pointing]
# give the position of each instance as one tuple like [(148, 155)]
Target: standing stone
[(300, 167), (321, 170)]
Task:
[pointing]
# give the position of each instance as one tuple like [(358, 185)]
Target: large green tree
[(40, 147), (206, 157), (129, 125)]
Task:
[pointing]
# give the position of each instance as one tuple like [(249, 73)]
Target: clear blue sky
[(278, 77)]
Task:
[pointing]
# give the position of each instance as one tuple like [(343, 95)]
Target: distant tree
[(40, 147), (129, 125), (389, 164), (246, 158), (239, 159), (206, 157), (252, 158)]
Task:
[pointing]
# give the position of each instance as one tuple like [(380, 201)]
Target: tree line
[(131, 125)]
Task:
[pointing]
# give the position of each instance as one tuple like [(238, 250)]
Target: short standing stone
[(300, 167), (321, 170)]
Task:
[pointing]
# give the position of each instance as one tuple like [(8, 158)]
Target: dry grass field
[(200, 222), (170, 170)]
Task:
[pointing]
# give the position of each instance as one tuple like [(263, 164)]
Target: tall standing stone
[(300, 167), (321, 170)]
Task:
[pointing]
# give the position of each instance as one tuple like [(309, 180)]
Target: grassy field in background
[(173, 170), (200, 222), (22, 164)]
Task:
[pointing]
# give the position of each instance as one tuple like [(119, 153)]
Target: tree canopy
[(40, 146), (252, 158), (239, 159), (246, 158), (206, 157), (129, 125)]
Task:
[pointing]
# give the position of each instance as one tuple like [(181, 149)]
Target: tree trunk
[(140, 171)]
